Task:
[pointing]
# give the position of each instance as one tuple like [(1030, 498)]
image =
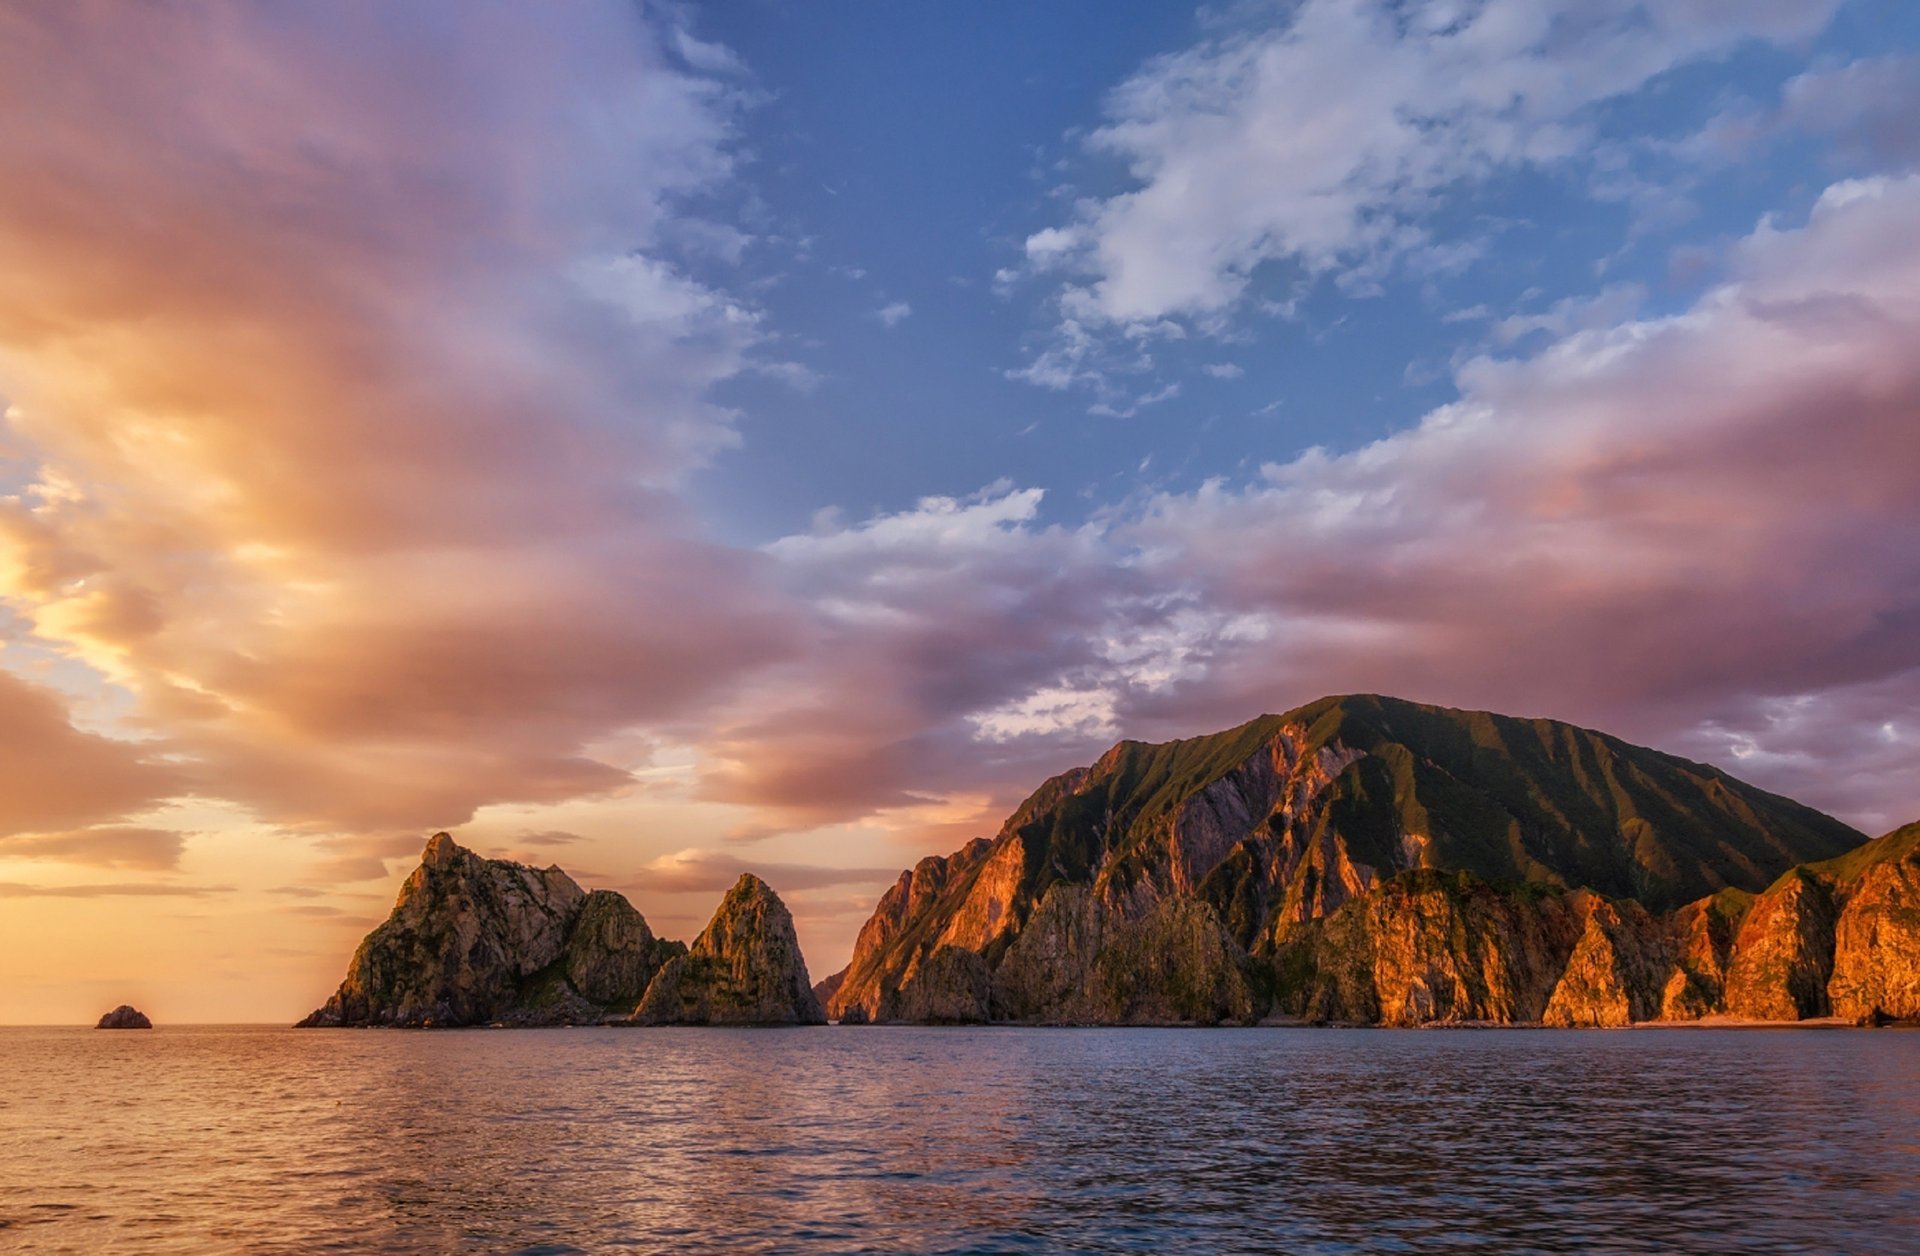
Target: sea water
[(847, 1139)]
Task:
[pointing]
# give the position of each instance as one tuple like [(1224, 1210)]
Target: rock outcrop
[(1876, 943), (745, 968), (1617, 973), (1701, 935), (1078, 961), (1188, 881), (1429, 947), (125, 1017), (475, 941), (1839, 937)]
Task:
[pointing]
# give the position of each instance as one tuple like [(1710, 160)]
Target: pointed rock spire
[(744, 969)]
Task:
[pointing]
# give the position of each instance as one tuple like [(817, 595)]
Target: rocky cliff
[(475, 941), (1839, 937), (745, 968), (1217, 859)]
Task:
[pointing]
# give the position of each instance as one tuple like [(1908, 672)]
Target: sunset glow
[(598, 431)]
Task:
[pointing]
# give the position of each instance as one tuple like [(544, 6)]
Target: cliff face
[(1429, 947), (745, 968), (1247, 844), (1081, 961), (1876, 957), (1838, 937), (474, 941)]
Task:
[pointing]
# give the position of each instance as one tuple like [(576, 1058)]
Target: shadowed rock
[(124, 1017), (745, 968), (475, 941)]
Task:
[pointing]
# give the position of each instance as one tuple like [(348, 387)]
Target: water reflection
[(1107, 1140)]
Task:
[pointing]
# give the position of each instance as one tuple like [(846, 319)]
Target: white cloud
[(1327, 139), (1689, 530), (894, 313)]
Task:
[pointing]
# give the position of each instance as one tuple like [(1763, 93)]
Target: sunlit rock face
[(1617, 973), (745, 968), (476, 941), (1430, 947), (1876, 955), (1701, 935), (1185, 882), (1783, 954)]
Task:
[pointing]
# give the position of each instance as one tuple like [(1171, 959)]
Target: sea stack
[(125, 1017), (475, 941), (744, 969)]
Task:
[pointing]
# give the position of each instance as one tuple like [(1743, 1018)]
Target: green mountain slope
[(1281, 820)]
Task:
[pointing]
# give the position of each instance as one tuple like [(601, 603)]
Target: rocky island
[(125, 1017), (475, 941), (1373, 861)]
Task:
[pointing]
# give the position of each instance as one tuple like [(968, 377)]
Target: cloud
[(1865, 109), (55, 777), (1612, 305), (1224, 370), (110, 846), (1325, 140), (142, 889), (711, 871), (894, 314), (352, 460), (1691, 530), (1870, 106), (917, 620), (550, 837)]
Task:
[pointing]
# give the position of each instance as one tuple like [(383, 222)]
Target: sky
[(670, 440)]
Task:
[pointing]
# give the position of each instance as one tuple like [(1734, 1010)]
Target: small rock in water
[(125, 1017)]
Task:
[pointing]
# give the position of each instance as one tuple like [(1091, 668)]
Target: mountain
[(745, 968), (1198, 880)]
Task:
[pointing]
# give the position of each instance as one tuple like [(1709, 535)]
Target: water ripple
[(959, 1140)]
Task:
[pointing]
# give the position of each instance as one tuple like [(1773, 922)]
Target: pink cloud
[(1694, 530), (353, 383)]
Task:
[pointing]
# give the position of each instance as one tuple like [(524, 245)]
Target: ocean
[(255, 1139)]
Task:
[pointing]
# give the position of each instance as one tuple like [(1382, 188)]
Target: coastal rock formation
[(612, 955), (1237, 853), (1837, 937), (1876, 953), (125, 1017), (1701, 935), (475, 941), (1783, 954), (1429, 947), (745, 968), (1617, 973), (1079, 961)]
